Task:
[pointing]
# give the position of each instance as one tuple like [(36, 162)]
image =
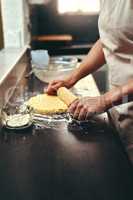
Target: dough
[(46, 104)]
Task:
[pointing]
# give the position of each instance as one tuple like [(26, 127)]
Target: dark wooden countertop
[(68, 163)]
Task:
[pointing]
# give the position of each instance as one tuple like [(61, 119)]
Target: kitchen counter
[(68, 162)]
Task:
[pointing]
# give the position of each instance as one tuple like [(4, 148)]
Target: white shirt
[(116, 33)]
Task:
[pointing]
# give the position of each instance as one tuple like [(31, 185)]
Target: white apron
[(116, 33)]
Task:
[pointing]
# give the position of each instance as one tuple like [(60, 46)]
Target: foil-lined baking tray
[(38, 120)]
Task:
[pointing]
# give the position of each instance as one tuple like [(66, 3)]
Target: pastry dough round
[(46, 104)]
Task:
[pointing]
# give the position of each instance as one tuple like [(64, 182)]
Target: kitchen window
[(15, 23), (79, 6)]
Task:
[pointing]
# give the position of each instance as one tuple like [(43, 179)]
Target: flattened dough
[(45, 104)]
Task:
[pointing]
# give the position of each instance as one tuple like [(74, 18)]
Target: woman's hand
[(56, 84), (87, 107)]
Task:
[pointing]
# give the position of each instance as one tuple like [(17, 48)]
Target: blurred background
[(63, 27), (52, 24), (75, 20)]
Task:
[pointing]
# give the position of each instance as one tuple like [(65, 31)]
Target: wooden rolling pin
[(66, 96)]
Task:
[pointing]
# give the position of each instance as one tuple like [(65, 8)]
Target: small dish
[(16, 118)]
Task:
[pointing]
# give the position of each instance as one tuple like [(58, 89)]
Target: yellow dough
[(45, 104)]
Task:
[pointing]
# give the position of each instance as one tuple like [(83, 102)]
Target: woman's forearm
[(119, 95), (93, 61)]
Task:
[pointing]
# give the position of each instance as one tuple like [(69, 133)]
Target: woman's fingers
[(72, 107), (50, 90), (53, 87), (78, 110), (82, 114)]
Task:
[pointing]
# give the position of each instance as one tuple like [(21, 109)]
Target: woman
[(115, 47)]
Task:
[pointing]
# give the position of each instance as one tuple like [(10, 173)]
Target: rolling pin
[(66, 96)]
